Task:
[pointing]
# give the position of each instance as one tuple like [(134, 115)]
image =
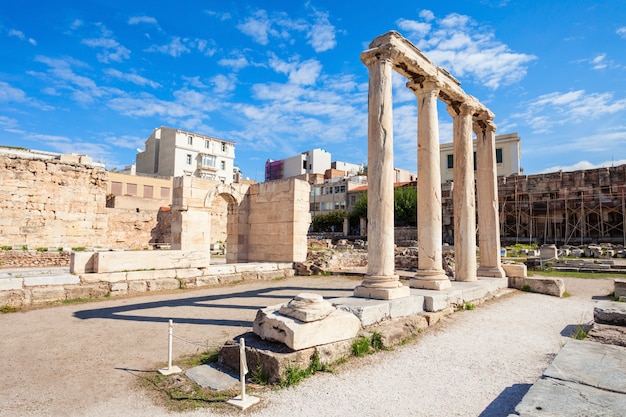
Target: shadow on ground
[(244, 300), (504, 404)]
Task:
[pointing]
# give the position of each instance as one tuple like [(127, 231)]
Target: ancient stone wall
[(48, 203), (33, 258)]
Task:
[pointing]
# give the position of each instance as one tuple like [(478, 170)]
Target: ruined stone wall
[(279, 219), (134, 229), (48, 203), (33, 259)]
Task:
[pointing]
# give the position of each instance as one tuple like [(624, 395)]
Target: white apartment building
[(508, 156), (174, 152)]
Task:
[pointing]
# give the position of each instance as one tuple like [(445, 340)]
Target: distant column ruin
[(393, 52)]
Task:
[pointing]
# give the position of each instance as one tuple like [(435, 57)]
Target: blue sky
[(282, 77)]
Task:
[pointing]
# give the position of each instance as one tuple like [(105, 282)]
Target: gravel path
[(475, 363)]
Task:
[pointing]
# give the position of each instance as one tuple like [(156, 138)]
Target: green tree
[(329, 222), (405, 206)]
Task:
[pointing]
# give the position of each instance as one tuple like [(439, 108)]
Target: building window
[(131, 189), (147, 191), (498, 155), (304, 165), (207, 144), (223, 165), (223, 146), (116, 188), (165, 193), (474, 160), (189, 140), (450, 162), (208, 161), (188, 159)]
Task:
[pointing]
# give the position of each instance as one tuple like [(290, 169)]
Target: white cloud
[(20, 35), (10, 94), (176, 47), (142, 19), (582, 165), (76, 24), (224, 83), (621, 32), (236, 62), (555, 109), (321, 35), (599, 62), (258, 27), (133, 78), (111, 49), (457, 43), (219, 15)]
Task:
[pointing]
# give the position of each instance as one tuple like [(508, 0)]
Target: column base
[(430, 284), (491, 271), (381, 293)]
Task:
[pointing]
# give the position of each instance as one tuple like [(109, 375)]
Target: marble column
[(380, 281), (430, 273), (464, 196), (487, 186)]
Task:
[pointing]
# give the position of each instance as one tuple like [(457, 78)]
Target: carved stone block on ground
[(271, 325), (610, 312)]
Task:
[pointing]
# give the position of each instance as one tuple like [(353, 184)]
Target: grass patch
[(469, 306), (525, 288), (566, 294), (79, 300), (41, 249), (6, 247), (588, 275), (295, 374), (8, 309), (366, 345), (78, 249), (580, 332)]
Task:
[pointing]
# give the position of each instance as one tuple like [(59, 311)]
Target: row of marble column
[(381, 281)]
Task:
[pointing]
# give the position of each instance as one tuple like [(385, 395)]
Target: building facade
[(315, 161), (174, 152), (508, 156)]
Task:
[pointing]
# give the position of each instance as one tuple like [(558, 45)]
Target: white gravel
[(475, 363)]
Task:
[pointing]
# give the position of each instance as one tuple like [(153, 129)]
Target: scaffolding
[(565, 209)]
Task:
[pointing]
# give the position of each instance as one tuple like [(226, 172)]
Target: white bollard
[(242, 401), (170, 369)]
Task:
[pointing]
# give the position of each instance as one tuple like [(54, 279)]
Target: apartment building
[(508, 154), (174, 152)]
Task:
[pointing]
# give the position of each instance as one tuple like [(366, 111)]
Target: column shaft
[(430, 273), (464, 196), (380, 281), (487, 186)]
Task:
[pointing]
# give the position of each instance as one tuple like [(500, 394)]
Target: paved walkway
[(86, 359)]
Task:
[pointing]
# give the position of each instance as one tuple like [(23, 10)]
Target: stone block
[(219, 269), (15, 298), (338, 325), (269, 275), (51, 280), (207, 280), (189, 273), (82, 262), (515, 270), (229, 278), (610, 312), (366, 310), (137, 286), (549, 286), (86, 291), (44, 295), (163, 285), (109, 277), (382, 293), (7, 284), (407, 306), (138, 260), (117, 287), (151, 275), (620, 288), (397, 330)]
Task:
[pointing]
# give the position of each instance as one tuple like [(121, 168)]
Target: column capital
[(385, 53), (467, 108), (425, 85), (484, 125)]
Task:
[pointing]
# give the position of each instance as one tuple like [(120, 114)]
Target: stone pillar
[(487, 186), (346, 226), (362, 226), (430, 273), (380, 281), (464, 199)]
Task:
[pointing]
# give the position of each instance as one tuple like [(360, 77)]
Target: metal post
[(243, 368), (170, 369)]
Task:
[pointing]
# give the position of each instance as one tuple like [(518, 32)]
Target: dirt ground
[(84, 359)]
